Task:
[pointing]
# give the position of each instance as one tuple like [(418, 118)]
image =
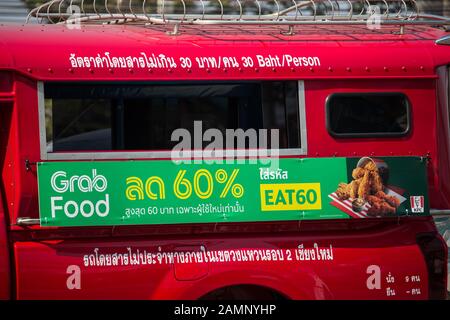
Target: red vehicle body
[(372, 257)]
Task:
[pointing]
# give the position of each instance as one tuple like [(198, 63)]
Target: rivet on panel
[(50, 70), (29, 70), (311, 69), (208, 70), (111, 71), (330, 69), (422, 68), (189, 70), (404, 68), (150, 70), (240, 70), (348, 69), (386, 69), (293, 69), (274, 69), (91, 70), (70, 70), (130, 70), (367, 69), (169, 70), (256, 70)]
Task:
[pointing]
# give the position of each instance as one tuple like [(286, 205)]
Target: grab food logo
[(74, 187), (417, 204)]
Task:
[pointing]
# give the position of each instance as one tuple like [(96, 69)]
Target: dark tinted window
[(85, 117), (363, 115)]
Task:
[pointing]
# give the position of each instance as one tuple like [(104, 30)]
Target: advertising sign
[(104, 193)]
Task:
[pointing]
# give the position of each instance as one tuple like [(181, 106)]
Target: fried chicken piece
[(380, 208), (374, 209), (386, 208), (391, 200), (342, 191), (381, 194), (371, 166), (353, 188), (358, 173), (376, 184), (364, 186), (350, 190), (374, 200)]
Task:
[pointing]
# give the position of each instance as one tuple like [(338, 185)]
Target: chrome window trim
[(111, 155), (41, 112)]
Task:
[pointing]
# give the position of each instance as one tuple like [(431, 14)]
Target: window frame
[(368, 134), (162, 154)]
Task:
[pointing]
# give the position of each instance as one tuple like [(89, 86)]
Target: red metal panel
[(355, 55), (23, 144), (361, 265)]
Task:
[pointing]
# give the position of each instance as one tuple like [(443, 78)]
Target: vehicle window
[(84, 117), (367, 114)]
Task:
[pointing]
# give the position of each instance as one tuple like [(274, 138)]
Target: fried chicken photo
[(374, 209), (376, 182), (371, 166), (350, 190), (380, 208), (354, 188), (364, 186), (373, 200), (393, 201), (358, 173), (342, 191), (367, 185)]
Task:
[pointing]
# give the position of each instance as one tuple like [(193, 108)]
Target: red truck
[(122, 179)]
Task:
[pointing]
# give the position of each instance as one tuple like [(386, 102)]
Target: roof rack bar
[(234, 19), (289, 12), (155, 20)]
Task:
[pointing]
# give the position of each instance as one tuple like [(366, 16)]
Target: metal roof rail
[(236, 12)]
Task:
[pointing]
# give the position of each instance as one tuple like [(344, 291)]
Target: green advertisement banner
[(162, 192)]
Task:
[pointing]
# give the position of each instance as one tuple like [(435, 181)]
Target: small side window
[(368, 115)]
